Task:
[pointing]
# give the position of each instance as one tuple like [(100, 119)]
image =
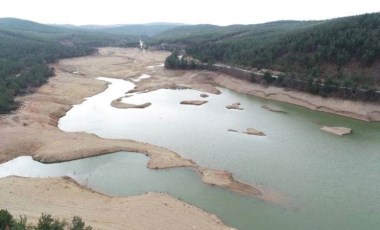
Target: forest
[(343, 52)]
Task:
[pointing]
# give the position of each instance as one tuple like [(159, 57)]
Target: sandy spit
[(64, 198)]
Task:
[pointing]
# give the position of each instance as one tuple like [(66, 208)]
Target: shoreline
[(365, 111)]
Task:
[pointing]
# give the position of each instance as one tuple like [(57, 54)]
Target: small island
[(235, 105), (193, 102), (252, 131), (340, 131)]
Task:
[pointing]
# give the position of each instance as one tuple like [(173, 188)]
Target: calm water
[(330, 182)]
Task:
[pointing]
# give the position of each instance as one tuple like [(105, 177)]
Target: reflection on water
[(333, 181)]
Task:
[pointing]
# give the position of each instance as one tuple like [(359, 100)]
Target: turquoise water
[(330, 182)]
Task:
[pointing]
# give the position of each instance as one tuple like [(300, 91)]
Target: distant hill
[(149, 30), (143, 30), (344, 51), (205, 33)]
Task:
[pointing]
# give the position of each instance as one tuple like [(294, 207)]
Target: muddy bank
[(64, 198)]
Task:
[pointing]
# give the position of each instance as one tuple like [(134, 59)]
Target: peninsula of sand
[(32, 130)]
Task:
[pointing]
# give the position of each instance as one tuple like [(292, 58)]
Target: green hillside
[(344, 51), (188, 36)]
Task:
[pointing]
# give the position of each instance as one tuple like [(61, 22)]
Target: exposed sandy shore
[(63, 198)]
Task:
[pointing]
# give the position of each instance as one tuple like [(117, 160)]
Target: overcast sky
[(220, 12)]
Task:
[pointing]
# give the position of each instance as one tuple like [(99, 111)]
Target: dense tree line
[(45, 222), (327, 49), (26, 49), (343, 52)]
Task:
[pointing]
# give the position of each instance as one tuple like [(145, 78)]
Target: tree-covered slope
[(345, 51), (202, 34)]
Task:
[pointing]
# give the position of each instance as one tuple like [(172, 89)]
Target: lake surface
[(330, 182)]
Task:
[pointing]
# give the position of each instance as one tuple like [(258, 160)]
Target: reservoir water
[(329, 182)]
